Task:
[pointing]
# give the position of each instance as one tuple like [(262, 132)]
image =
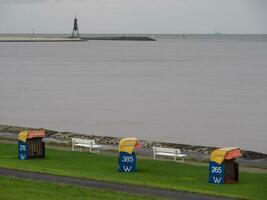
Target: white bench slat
[(181, 155), (165, 154)]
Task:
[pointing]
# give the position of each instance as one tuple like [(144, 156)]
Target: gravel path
[(169, 194)]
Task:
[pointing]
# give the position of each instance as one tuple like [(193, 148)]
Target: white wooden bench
[(84, 143), (175, 153)]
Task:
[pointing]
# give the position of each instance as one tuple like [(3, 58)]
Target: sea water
[(204, 90)]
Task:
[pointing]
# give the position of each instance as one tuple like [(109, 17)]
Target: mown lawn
[(161, 174), (14, 189)]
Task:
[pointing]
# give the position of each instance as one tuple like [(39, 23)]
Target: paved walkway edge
[(169, 194)]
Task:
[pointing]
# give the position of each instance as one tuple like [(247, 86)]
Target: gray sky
[(134, 16)]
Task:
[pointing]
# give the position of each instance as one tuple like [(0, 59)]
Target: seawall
[(105, 140)]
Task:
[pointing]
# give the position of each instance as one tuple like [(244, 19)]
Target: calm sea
[(208, 90)]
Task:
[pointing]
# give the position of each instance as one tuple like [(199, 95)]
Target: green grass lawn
[(154, 173), (14, 189)]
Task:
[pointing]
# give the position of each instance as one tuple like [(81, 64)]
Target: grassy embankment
[(161, 174), (13, 189)]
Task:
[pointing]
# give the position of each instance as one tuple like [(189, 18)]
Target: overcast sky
[(134, 16)]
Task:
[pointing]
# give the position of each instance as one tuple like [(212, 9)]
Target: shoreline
[(107, 140)]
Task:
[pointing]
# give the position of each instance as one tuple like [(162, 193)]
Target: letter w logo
[(22, 157), (127, 168), (216, 179)]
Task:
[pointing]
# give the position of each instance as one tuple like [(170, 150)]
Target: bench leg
[(155, 156), (181, 160)]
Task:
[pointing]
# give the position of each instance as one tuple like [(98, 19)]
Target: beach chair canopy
[(24, 135), (226, 153), (129, 144)]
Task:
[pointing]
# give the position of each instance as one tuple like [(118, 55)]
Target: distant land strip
[(66, 39), (38, 39)]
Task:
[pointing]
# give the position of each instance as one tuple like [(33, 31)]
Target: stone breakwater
[(104, 140), (120, 38)]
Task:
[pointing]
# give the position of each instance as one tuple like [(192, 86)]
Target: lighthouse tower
[(75, 31)]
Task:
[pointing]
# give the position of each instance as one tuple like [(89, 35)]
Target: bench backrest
[(166, 150), (82, 141)]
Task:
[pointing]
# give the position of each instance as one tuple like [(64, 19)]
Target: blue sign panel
[(22, 150), (216, 173), (127, 162)]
